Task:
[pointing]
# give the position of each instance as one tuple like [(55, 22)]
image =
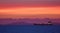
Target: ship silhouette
[(49, 23)]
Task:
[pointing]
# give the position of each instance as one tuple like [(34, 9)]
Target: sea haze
[(28, 21)]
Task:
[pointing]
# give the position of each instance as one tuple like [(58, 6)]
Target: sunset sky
[(14, 8)]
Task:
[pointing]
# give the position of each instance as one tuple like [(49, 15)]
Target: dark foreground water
[(29, 29)]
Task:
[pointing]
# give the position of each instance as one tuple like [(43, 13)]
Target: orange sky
[(17, 8), (31, 10), (26, 11)]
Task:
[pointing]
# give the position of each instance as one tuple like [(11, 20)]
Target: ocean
[(30, 29)]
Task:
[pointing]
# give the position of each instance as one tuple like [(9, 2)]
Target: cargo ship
[(49, 23)]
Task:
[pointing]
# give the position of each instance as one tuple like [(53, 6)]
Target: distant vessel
[(49, 23)]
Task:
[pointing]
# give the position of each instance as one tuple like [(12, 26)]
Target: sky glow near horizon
[(29, 7)]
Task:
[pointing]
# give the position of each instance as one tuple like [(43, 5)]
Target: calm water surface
[(29, 29)]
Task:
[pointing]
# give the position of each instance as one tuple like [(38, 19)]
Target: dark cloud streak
[(29, 3)]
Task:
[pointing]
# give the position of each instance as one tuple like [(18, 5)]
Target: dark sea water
[(29, 29)]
